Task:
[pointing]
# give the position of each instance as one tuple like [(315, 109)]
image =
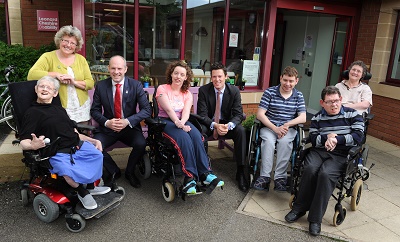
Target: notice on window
[(250, 72), (233, 39), (47, 20)]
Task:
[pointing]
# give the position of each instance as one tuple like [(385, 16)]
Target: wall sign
[(47, 20), (250, 72)]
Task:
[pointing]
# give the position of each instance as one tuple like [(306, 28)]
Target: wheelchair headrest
[(22, 95), (345, 75)]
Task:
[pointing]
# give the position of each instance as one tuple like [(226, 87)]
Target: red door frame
[(308, 6)]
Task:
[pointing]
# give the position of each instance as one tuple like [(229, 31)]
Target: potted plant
[(145, 80), (242, 83), (196, 81), (247, 124)]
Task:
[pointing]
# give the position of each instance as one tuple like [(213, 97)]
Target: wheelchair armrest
[(354, 150), (85, 127), (306, 140), (197, 121), (370, 116), (153, 121)]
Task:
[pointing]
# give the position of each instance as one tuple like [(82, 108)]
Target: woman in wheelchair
[(78, 158), (174, 102), (355, 93)]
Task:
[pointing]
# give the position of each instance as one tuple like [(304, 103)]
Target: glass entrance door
[(338, 51)]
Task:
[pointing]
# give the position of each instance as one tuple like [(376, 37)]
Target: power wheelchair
[(161, 158), (51, 195)]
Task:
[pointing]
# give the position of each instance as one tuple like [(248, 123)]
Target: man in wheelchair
[(78, 158), (333, 132)]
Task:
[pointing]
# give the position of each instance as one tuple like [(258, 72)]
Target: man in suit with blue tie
[(225, 118), (114, 107)]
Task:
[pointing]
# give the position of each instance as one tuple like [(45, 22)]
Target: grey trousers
[(283, 147), (322, 170)]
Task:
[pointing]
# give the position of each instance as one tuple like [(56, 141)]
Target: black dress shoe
[(293, 216), (243, 181), (315, 229), (133, 180)]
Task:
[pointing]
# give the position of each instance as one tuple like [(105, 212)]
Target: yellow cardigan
[(49, 62)]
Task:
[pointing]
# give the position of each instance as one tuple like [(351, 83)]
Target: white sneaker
[(88, 202), (99, 190)]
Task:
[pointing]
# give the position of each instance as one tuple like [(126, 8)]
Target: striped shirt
[(347, 124), (280, 110)]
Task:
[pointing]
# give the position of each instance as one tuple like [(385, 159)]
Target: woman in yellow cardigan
[(71, 69)]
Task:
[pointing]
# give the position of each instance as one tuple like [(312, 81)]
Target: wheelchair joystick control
[(47, 141)]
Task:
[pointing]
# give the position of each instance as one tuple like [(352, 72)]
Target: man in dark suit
[(114, 107), (230, 118)]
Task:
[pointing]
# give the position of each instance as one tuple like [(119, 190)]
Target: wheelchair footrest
[(105, 203)]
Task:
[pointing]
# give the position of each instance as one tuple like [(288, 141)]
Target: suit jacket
[(133, 94), (231, 108)]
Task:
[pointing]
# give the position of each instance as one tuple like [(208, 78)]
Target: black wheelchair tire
[(24, 197), (45, 209), (145, 166), (76, 223)]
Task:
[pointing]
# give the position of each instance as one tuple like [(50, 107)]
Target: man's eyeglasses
[(69, 42), (331, 102), (44, 87)]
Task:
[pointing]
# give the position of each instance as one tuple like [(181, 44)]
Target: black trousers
[(130, 137), (322, 170)]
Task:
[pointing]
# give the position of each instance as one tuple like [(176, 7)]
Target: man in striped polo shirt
[(333, 131), (281, 108)]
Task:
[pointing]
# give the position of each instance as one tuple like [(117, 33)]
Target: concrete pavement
[(377, 219)]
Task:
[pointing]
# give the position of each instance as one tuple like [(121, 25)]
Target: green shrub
[(21, 57), (248, 122)]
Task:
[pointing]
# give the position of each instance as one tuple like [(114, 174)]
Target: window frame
[(396, 35)]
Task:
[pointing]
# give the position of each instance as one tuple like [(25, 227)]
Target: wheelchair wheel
[(121, 191), (45, 209), (76, 223), (7, 112), (291, 201), (145, 167), (356, 194), (337, 218), (168, 191), (24, 197)]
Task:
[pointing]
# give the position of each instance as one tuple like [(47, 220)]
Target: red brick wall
[(250, 109), (31, 36), (385, 125), (367, 30)]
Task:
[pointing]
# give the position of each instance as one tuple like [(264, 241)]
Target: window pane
[(3, 27), (160, 37), (109, 32), (204, 33), (393, 76), (244, 40), (396, 59)]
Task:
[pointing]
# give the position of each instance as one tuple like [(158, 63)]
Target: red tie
[(217, 114), (117, 101)]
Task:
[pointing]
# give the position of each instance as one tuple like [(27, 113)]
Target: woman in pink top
[(174, 103)]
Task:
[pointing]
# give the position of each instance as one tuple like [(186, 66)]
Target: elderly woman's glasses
[(67, 42), (44, 87)]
